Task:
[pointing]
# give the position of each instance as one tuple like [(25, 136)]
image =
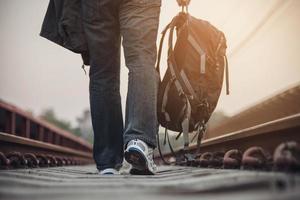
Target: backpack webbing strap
[(165, 99), (180, 117), (160, 46), (165, 138), (159, 150), (169, 142), (178, 135), (200, 51), (201, 130), (170, 146), (227, 75), (194, 137), (176, 81), (187, 83), (185, 124)]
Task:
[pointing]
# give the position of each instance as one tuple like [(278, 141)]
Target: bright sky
[(36, 74)]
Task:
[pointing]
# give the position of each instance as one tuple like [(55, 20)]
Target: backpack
[(191, 86)]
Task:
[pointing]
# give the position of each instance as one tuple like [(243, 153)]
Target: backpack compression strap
[(227, 75), (159, 150)]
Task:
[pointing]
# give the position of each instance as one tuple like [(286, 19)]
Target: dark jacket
[(63, 25)]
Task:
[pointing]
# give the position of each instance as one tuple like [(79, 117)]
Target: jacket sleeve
[(63, 25), (50, 24)]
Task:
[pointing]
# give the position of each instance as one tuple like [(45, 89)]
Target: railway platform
[(171, 182)]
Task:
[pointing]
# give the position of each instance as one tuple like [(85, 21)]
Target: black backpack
[(191, 86)]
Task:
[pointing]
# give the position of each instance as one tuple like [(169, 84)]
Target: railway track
[(269, 146), (26, 141), (18, 152)]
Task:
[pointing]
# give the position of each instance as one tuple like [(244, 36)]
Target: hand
[(183, 2)]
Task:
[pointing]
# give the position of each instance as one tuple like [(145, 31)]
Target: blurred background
[(47, 80)]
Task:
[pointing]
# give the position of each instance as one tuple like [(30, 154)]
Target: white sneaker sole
[(139, 162)]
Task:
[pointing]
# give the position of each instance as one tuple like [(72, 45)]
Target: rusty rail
[(27, 141), (271, 145), (17, 122)]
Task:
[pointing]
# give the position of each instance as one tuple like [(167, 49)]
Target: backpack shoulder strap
[(160, 47), (159, 150), (170, 26), (227, 76)]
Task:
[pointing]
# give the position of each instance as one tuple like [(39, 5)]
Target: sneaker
[(140, 156), (109, 171), (126, 168)]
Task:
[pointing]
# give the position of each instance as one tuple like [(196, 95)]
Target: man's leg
[(139, 24), (101, 25), (139, 21)]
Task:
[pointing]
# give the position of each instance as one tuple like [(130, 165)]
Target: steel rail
[(265, 138), (280, 130), (28, 141), (56, 136), (20, 152), (14, 143)]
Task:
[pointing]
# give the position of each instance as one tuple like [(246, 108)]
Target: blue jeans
[(105, 22)]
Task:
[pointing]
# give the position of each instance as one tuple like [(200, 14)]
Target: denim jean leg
[(139, 23), (101, 27)]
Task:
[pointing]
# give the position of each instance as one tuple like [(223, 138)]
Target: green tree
[(50, 116), (84, 125)]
